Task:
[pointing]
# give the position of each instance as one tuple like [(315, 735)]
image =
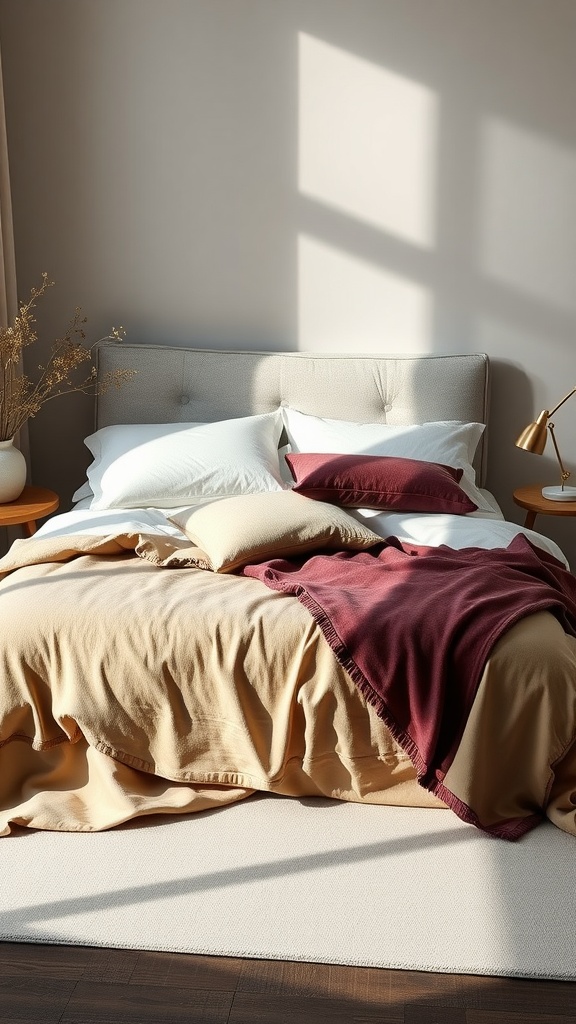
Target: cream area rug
[(311, 880)]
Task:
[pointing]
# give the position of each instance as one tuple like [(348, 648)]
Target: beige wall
[(365, 175)]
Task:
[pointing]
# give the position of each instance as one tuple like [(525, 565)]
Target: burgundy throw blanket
[(414, 625)]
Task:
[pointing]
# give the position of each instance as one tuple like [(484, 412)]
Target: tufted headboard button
[(184, 399)]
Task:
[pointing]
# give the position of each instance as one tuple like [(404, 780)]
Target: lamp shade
[(533, 437)]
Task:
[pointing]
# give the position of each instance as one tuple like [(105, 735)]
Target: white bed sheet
[(484, 530)]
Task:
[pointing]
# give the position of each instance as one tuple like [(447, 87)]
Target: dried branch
[(21, 397)]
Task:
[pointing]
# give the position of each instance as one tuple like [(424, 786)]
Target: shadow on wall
[(387, 178), (516, 468), (510, 385)]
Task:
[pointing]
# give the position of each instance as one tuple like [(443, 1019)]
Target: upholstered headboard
[(179, 385)]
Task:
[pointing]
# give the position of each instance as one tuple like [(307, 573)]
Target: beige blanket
[(133, 682)]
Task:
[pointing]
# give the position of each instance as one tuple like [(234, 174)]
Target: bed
[(283, 573)]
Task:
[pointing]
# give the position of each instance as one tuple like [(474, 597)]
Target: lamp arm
[(565, 473), (561, 402)]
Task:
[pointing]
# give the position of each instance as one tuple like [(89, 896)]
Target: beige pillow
[(253, 527)]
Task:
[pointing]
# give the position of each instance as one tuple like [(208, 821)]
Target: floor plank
[(505, 1017), (29, 999), (248, 1008), (517, 995), (105, 1003), (277, 978), (424, 987), (85, 985), (65, 962), (183, 970), (106, 966), (425, 1013)]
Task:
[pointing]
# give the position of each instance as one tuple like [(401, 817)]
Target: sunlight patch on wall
[(527, 213), (346, 304), (367, 141)]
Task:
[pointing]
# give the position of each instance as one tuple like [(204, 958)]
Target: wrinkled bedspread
[(414, 626), (132, 682)]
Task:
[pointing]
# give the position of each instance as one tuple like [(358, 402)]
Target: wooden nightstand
[(531, 499), (34, 503)]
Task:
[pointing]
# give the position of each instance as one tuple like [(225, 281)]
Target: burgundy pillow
[(379, 481)]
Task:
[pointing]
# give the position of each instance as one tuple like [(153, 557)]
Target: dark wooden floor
[(80, 985)]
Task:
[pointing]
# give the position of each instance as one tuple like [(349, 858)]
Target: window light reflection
[(367, 141), (348, 304)]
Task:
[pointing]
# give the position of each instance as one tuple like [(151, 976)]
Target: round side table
[(532, 499), (34, 503)]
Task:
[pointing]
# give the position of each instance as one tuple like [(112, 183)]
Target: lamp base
[(559, 493)]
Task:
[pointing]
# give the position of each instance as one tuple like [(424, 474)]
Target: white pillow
[(448, 442), (84, 491), (166, 465), (118, 439)]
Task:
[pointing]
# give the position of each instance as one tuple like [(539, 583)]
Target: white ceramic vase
[(12, 471)]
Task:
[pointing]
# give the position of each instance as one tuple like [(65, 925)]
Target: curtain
[(8, 293)]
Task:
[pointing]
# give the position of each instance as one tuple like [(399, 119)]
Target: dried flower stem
[(20, 397)]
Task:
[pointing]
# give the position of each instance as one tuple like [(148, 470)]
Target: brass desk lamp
[(533, 439)]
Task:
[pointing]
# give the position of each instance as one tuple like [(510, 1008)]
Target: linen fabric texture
[(447, 442), (167, 465), (380, 482), (245, 528), (441, 612), (252, 698)]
